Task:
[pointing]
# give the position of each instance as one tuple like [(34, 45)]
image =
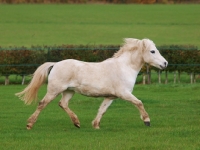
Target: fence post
[(159, 77), (148, 75), (166, 77), (144, 78), (191, 77), (7, 80), (174, 76), (23, 79)]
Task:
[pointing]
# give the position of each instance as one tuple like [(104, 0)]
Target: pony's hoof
[(97, 127), (77, 125), (28, 127), (147, 123), (95, 124)]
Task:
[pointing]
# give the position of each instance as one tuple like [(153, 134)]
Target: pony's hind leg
[(66, 96), (102, 109), (42, 104)]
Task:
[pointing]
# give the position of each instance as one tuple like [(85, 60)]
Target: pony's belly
[(93, 92)]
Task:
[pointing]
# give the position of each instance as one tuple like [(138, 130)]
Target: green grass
[(26, 25), (174, 112)]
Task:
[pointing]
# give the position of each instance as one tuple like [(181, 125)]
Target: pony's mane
[(130, 44)]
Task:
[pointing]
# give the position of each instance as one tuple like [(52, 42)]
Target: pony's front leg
[(143, 114), (33, 118), (102, 109)]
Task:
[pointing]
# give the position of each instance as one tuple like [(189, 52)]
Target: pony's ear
[(144, 43)]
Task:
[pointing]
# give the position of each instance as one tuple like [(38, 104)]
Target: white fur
[(112, 78)]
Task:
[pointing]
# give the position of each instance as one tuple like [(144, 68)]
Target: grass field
[(173, 108), (26, 25), (174, 112)]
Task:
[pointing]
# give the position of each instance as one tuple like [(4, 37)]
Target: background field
[(173, 108), (174, 112), (26, 25)]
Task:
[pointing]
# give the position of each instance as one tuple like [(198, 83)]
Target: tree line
[(101, 1)]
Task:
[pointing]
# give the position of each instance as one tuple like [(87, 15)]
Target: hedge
[(24, 61)]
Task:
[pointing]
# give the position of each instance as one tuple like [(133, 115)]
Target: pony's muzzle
[(164, 65)]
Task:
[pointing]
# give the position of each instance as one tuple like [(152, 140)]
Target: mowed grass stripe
[(26, 25)]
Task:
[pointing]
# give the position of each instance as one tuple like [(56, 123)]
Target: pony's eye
[(153, 52)]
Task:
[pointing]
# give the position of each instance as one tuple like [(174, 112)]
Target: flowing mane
[(130, 44)]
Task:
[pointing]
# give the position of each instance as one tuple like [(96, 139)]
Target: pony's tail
[(29, 94)]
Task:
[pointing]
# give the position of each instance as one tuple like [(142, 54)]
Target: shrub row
[(24, 61), (182, 58), (97, 1)]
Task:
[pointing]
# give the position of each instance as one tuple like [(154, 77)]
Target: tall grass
[(174, 112), (26, 25)]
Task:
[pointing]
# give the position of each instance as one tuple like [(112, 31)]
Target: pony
[(112, 78)]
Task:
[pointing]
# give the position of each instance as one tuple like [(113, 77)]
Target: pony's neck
[(133, 59)]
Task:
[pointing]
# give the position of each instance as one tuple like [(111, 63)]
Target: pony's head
[(146, 49), (152, 56)]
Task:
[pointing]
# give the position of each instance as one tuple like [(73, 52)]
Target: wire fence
[(23, 61)]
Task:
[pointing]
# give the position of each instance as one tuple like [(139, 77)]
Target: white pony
[(112, 78)]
